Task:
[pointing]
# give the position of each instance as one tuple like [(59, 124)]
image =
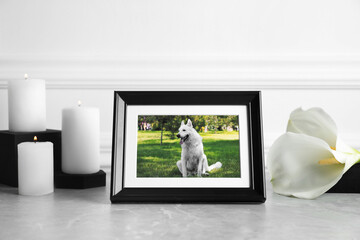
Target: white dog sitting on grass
[(193, 159)]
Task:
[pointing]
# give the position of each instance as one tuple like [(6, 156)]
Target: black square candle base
[(9, 155), (349, 183), (80, 181)]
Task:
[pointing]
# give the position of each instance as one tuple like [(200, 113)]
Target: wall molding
[(186, 73)]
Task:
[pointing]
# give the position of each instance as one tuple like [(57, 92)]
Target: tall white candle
[(80, 140), (27, 105), (35, 168)]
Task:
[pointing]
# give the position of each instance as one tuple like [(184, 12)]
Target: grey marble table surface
[(88, 214)]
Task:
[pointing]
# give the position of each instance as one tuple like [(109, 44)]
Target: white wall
[(299, 53)]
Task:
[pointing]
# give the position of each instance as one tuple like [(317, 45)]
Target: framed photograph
[(187, 147)]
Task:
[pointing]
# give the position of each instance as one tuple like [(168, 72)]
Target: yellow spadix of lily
[(329, 161), (309, 159)]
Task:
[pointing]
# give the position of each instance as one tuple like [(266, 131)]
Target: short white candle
[(80, 140), (35, 168), (27, 105)]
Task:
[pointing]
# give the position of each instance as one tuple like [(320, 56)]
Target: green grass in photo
[(159, 160)]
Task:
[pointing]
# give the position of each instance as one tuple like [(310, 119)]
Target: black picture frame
[(251, 99)]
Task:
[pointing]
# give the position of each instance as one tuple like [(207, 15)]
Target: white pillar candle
[(27, 105), (35, 168), (80, 140)]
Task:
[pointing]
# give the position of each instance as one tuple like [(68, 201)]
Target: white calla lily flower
[(313, 122), (309, 159)]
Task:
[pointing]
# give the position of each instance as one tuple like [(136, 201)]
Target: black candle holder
[(9, 161), (349, 183), (80, 181), (9, 154)]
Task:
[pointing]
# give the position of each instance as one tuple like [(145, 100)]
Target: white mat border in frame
[(132, 112)]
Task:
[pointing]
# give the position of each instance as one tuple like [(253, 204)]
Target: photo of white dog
[(193, 159)]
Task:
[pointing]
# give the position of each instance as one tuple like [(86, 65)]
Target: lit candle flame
[(35, 138), (79, 103), (26, 76)]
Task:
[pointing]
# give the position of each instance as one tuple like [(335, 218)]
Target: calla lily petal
[(296, 169), (313, 122), (352, 159)]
